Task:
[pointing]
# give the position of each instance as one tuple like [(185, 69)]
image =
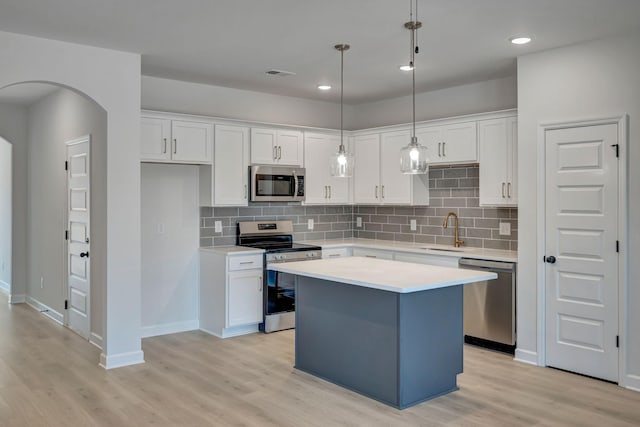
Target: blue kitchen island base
[(398, 348)]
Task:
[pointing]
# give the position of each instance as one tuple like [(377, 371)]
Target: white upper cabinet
[(497, 140), (377, 176), (452, 143), (231, 166), (276, 147), (320, 186), (175, 141)]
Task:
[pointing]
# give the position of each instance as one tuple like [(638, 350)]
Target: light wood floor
[(50, 377)]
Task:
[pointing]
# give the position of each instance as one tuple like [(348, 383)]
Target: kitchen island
[(389, 330)]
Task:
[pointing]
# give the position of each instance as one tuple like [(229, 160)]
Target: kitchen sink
[(443, 249)]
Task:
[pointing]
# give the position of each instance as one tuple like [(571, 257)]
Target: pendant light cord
[(341, 100), (414, 50)]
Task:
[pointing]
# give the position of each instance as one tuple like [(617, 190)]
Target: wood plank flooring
[(49, 376)]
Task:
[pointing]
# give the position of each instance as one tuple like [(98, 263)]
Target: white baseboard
[(526, 356), (96, 340), (233, 332), (17, 299), (122, 359), (46, 310), (5, 287), (632, 382), (169, 328)]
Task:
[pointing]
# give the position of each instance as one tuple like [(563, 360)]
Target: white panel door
[(192, 142), (581, 235), (78, 215), (367, 169), (290, 148), (396, 186), (263, 146), (231, 166), (244, 297), (155, 139)]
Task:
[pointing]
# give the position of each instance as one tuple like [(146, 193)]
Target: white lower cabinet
[(230, 292), (336, 252), (373, 253)]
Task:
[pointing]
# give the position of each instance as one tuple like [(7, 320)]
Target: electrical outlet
[(310, 224), (160, 228), (358, 222), (413, 225), (218, 226), (505, 229)]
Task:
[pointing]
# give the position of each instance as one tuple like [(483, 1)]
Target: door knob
[(550, 259), (84, 254)]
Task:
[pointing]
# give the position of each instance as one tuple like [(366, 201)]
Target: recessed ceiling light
[(406, 67), (520, 40), (324, 87)]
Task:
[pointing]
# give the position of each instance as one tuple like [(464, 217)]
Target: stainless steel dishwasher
[(490, 306)]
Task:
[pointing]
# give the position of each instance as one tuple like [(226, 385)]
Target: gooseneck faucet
[(456, 240)]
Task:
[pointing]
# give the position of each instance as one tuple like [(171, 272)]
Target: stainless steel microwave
[(276, 183)]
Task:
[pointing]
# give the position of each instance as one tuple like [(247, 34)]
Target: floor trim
[(169, 328), (5, 287), (122, 359), (45, 309), (96, 340), (17, 299), (526, 356)]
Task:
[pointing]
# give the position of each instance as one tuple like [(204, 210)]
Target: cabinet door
[(263, 146), (155, 139), (244, 303), (493, 155), (290, 148), (367, 169), (317, 151), (431, 137), (512, 161), (459, 143), (231, 166), (396, 186), (192, 142), (338, 187)]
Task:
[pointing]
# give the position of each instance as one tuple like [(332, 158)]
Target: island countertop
[(386, 275)]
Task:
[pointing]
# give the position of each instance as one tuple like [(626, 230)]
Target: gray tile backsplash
[(452, 189)]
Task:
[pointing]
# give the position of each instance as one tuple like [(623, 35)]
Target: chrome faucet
[(456, 240)]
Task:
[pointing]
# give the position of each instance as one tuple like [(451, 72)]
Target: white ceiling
[(233, 42)]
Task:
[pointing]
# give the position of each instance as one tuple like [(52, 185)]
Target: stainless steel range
[(276, 238)]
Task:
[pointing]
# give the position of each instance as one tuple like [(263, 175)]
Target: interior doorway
[(6, 216)]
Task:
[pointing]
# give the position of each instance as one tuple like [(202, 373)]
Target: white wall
[(491, 95), (588, 80), (13, 127), (170, 240), (112, 79), (216, 101), (60, 117), (5, 214)]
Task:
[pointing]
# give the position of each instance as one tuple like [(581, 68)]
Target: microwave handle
[(295, 185)]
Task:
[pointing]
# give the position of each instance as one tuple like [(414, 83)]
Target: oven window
[(274, 185), (281, 293)]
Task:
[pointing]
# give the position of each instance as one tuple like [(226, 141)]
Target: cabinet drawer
[(336, 252), (245, 262), (372, 253)]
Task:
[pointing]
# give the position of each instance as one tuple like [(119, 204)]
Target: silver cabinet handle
[(439, 149), (509, 190), (444, 147), (334, 255), (246, 262), (329, 191), (175, 146), (164, 147), (325, 191), (376, 191), (383, 191), (279, 152), (260, 283), (370, 256), (245, 191), (275, 152), (503, 190)]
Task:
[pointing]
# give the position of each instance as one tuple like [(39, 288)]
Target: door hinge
[(66, 234), (66, 165), (617, 341), (617, 147), (66, 304), (617, 245)]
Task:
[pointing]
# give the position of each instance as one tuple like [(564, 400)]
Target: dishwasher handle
[(483, 264)]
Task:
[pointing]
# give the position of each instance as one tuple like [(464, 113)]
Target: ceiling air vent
[(280, 73)]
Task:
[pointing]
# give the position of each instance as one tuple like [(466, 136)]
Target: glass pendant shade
[(414, 158), (342, 164)]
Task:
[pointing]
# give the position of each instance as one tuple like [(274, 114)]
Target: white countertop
[(393, 276), (419, 248), (232, 250)]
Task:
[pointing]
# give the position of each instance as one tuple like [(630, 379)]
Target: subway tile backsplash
[(452, 189)]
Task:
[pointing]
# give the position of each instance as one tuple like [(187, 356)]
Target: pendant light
[(413, 157), (342, 162)]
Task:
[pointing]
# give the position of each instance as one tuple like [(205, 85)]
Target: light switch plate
[(413, 225), (218, 226), (310, 224), (359, 222), (505, 229)]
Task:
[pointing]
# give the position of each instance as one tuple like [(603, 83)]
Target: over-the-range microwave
[(276, 183)]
